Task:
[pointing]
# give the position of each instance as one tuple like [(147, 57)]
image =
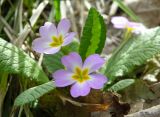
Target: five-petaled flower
[(52, 39), (81, 76), (121, 22)]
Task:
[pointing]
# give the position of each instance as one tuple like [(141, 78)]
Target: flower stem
[(127, 34)]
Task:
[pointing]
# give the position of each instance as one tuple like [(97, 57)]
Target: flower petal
[(119, 22), (40, 45), (134, 24), (63, 78), (80, 89), (48, 30), (93, 62), (68, 39), (138, 27), (52, 50), (63, 26), (97, 81), (72, 61)]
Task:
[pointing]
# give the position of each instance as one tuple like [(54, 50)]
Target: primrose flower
[(81, 76), (51, 38), (120, 22)]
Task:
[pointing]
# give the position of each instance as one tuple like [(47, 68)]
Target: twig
[(150, 112), (80, 104)]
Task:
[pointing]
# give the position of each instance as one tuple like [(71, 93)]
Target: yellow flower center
[(129, 29), (57, 41), (81, 75)]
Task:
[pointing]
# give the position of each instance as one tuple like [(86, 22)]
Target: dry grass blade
[(3, 21), (32, 20), (8, 34), (18, 17)]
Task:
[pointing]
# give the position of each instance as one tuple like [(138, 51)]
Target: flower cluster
[(80, 75)]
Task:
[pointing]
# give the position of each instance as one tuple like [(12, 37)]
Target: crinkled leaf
[(93, 35), (16, 61), (34, 93), (121, 85), (139, 90), (133, 53)]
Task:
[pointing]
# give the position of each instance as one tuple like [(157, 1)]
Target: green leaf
[(121, 85), (127, 10), (16, 61), (53, 62), (133, 53), (93, 35), (34, 93), (57, 10), (139, 90)]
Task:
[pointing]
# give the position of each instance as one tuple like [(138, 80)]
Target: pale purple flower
[(80, 75), (120, 22), (51, 38)]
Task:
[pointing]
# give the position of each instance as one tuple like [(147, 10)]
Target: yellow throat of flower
[(130, 29), (57, 41), (80, 75)]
